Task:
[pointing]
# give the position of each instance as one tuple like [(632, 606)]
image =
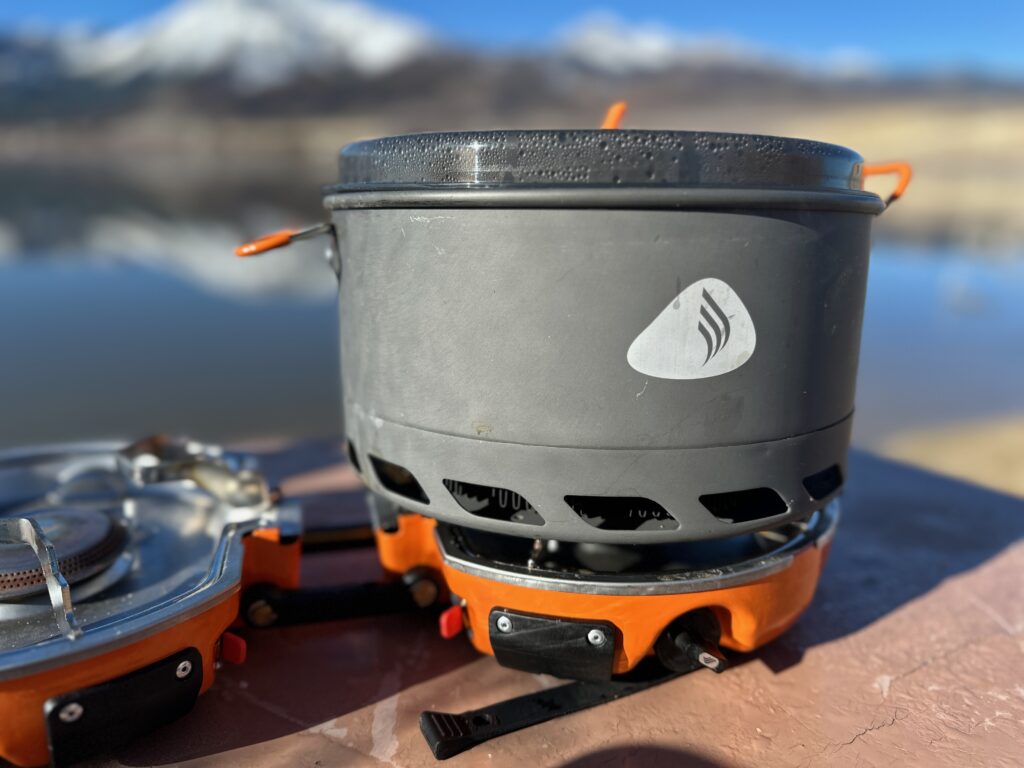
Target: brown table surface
[(912, 654)]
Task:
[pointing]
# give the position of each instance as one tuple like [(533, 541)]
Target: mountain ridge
[(325, 55)]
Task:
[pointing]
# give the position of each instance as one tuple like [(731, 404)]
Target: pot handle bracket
[(902, 170), (283, 237)]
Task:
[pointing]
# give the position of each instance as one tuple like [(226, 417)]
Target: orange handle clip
[(265, 243), (904, 171), (280, 238), (614, 115)]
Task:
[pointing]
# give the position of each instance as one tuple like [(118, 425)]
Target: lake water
[(143, 324), (943, 340)]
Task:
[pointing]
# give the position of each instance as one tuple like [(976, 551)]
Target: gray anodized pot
[(604, 336)]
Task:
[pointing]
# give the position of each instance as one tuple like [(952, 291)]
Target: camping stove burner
[(121, 569), (85, 541), (670, 568), (101, 544)]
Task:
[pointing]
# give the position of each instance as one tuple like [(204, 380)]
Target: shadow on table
[(641, 757), (903, 531)]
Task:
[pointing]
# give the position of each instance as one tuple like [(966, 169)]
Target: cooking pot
[(600, 335)]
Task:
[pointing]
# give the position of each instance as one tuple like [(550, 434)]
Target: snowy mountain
[(264, 44), (292, 57), (257, 43), (606, 43)]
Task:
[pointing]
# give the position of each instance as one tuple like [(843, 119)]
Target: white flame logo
[(705, 331)]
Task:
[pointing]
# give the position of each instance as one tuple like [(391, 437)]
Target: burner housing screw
[(504, 624), (184, 670), (69, 713), (596, 637)]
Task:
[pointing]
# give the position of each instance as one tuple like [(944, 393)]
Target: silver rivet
[(504, 624), (596, 637), (184, 670), (69, 713), (708, 660)]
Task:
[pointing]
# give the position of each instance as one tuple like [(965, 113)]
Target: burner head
[(86, 541), (628, 569)]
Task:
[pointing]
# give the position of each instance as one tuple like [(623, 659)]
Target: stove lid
[(595, 158)]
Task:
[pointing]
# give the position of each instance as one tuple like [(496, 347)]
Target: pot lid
[(588, 158)]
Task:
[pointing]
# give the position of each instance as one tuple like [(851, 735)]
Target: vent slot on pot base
[(353, 457), (622, 513), (824, 483), (493, 503), (744, 506), (398, 479)]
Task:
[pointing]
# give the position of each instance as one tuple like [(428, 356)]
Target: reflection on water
[(943, 340), (123, 310), (101, 350), (125, 315)]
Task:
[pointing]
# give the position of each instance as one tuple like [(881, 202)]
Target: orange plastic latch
[(268, 534), (232, 648), (903, 171), (450, 622), (613, 117)]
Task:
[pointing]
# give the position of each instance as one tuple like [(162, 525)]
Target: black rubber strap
[(451, 734)]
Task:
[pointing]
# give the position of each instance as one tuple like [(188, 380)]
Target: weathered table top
[(912, 654)]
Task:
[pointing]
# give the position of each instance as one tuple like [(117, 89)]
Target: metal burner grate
[(85, 542), (25, 530)]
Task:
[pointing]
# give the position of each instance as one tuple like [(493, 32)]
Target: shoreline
[(987, 452)]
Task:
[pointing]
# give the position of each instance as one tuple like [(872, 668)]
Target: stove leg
[(264, 605)]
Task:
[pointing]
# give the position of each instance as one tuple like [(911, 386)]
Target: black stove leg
[(450, 734), (688, 644), (264, 605)]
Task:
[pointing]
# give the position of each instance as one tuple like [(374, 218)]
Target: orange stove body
[(23, 737), (749, 614)]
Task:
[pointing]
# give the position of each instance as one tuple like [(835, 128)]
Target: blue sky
[(917, 34)]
